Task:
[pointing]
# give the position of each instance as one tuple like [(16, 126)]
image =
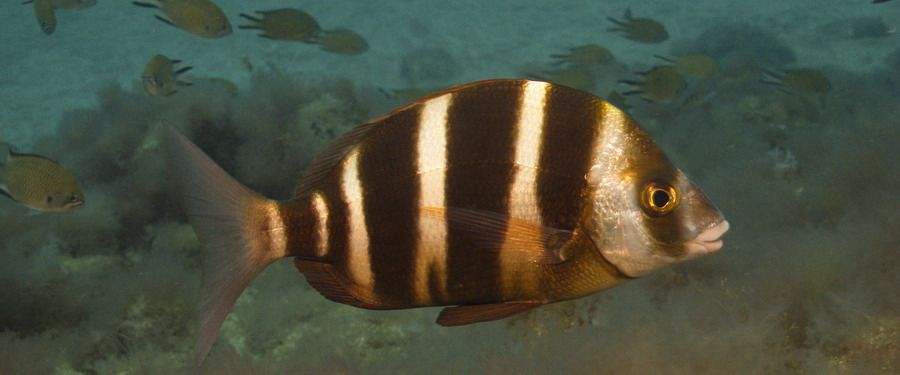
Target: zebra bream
[(491, 198)]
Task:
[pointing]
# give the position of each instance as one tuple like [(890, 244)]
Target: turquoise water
[(806, 283)]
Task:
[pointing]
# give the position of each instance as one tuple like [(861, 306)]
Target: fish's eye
[(659, 198), (49, 199)]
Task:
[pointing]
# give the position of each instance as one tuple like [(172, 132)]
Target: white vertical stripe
[(431, 167), (358, 262), (610, 144), (275, 230), (523, 199), (523, 202), (320, 210)]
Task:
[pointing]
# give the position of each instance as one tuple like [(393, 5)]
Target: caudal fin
[(240, 230)]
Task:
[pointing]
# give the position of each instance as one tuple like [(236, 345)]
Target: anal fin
[(323, 277), (468, 314)]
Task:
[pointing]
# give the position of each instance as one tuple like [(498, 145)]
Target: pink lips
[(708, 241)]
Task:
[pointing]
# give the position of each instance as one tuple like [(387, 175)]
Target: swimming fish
[(660, 84), (45, 14), (342, 42), (640, 29), (586, 55), (798, 81), (491, 198), (200, 17), (697, 65), (160, 77), (39, 183), (284, 24)]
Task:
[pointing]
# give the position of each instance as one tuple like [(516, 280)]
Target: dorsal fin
[(331, 155), (325, 161)]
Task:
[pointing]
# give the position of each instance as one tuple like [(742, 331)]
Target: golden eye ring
[(659, 198)]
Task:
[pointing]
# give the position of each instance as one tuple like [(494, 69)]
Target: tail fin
[(241, 232)]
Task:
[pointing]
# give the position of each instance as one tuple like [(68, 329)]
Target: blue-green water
[(806, 283)]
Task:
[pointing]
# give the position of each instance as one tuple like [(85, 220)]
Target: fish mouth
[(75, 204), (708, 241)]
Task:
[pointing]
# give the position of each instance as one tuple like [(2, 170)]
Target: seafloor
[(807, 282)]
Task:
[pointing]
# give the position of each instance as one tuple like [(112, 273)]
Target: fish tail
[(251, 18), (241, 232)]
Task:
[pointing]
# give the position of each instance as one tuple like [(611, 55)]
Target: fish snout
[(74, 201), (709, 240)]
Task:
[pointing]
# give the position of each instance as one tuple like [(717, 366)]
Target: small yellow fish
[(200, 17), (798, 81), (39, 183), (45, 14), (661, 83), (697, 66), (73, 4), (283, 24), (342, 42), (586, 55), (160, 77), (640, 29)]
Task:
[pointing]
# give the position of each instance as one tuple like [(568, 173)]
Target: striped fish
[(491, 198)]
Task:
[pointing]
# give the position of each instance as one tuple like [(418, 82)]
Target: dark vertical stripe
[(481, 121), (570, 129), (301, 222), (391, 186), (338, 225)]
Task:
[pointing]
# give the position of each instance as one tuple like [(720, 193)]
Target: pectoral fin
[(493, 231), (468, 314)]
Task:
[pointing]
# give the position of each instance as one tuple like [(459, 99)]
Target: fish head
[(70, 200), (60, 200), (645, 214), (153, 85)]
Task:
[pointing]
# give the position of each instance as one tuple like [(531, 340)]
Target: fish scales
[(480, 172), (492, 197)]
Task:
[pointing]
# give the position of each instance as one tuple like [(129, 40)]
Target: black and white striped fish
[(492, 198)]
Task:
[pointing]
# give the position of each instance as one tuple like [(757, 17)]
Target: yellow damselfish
[(39, 183)]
